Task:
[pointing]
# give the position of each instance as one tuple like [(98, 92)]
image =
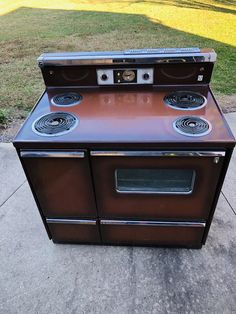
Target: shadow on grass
[(193, 5), (30, 32)]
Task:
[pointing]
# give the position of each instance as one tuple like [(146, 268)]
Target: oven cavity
[(66, 99), (185, 100), (192, 126), (55, 124)]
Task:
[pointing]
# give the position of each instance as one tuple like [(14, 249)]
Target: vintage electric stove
[(126, 147)]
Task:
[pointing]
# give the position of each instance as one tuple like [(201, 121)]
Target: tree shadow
[(61, 30), (194, 4)]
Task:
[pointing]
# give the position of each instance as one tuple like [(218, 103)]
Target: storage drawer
[(184, 234), (74, 231)]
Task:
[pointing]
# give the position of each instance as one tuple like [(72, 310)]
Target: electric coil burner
[(56, 123), (185, 100), (121, 162), (192, 126), (66, 99)]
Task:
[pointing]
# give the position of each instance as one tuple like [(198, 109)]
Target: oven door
[(61, 182), (156, 184)]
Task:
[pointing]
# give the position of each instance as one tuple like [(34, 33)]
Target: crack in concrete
[(228, 202), (12, 195)]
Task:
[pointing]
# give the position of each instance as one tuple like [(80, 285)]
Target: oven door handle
[(107, 153), (51, 154), (153, 223)]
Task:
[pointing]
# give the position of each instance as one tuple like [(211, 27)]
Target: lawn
[(29, 28)]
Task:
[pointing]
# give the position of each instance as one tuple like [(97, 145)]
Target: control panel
[(125, 76)]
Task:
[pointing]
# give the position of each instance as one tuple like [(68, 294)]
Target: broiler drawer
[(74, 231), (184, 234)]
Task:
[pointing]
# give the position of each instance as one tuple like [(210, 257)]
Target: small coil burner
[(185, 100), (55, 124), (192, 126), (66, 99)]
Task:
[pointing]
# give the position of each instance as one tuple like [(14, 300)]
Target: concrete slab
[(229, 187), (231, 119), (38, 276), (11, 173)]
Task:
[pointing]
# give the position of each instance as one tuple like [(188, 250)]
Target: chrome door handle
[(51, 153), (108, 153)]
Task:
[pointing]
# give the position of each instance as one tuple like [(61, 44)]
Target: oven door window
[(155, 181)]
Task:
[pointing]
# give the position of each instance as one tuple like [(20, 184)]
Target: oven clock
[(128, 75), (125, 76)]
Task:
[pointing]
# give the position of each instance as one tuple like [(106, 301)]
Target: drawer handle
[(51, 153), (71, 221), (153, 223), (98, 153)]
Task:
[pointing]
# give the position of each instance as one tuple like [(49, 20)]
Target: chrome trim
[(155, 192), (71, 221), (108, 153), (163, 50), (153, 223), (51, 154), (121, 57)]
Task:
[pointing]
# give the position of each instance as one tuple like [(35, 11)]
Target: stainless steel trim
[(153, 223), (163, 50), (50, 154), (109, 153), (121, 57), (156, 192), (71, 221)]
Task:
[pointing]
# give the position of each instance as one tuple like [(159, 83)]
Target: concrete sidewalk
[(37, 276)]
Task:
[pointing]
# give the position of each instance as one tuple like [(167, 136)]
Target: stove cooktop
[(112, 116)]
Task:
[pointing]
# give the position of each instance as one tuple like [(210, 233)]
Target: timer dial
[(128, 75)]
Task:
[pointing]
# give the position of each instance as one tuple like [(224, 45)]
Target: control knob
[(104, 77), (146, 76)]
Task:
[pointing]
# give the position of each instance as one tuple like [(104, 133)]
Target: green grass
[(27, 32), (4, 116)]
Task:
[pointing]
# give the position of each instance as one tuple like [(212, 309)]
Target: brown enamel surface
[(73, 233), (152, 235), (154, 206), (119, 116), (63, 186), (124, 118)]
